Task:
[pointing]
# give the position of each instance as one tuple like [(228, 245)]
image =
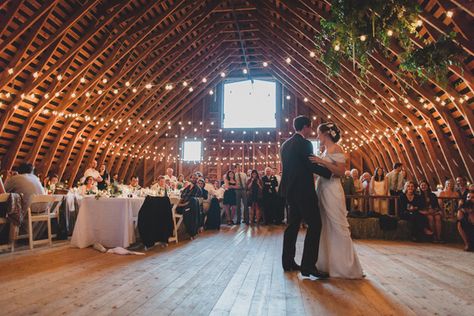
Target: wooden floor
[(236, 271)]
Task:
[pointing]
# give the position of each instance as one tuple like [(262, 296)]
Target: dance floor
[(236, 271)]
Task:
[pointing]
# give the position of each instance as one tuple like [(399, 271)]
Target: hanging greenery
[(358, 27)]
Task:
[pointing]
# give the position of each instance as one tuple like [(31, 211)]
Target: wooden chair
[(49, 210), (177, 221), (13, 229)]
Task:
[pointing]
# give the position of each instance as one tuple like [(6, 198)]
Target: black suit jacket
[(297, 179)]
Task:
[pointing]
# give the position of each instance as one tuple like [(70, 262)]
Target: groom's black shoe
[(291, 267), (315, 274)]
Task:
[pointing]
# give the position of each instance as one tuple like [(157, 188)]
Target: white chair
[(177, 221), (49, 209), (13, 229)]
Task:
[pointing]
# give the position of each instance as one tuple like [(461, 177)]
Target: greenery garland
[(358, 27)]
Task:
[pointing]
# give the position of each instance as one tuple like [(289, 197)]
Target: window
[(250, 105), (316, 148), (192, 151)]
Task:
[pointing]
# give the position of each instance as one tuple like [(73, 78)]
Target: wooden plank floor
[(235, 271)]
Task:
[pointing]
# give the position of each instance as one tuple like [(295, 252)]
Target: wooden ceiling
[(87, 79)]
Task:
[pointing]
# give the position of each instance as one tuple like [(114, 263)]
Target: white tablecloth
[(108, 221)]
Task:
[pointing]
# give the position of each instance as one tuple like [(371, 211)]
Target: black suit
[(297, 186)]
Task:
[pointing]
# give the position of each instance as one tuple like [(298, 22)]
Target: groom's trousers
[(302, 208)]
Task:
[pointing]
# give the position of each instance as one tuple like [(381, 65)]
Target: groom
[(297, 186)]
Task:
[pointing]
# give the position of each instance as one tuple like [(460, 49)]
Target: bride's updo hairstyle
[(332, 130)]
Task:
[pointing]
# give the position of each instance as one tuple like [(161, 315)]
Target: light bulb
[(312, 54), (363, 38), (265, 64), (204, 80), (389, 32), (104, 80), (288, 60)]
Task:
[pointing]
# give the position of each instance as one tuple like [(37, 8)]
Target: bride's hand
[(316, 159)]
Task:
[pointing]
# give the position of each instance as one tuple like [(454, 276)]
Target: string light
[(389, 32), (449, 14), (288, 60), (265, 64)]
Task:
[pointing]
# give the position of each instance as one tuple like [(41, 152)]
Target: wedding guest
[(249, 173), (465, 223), (206, 198), (379, 187), (449, 199), (208, 185), (134, 186), (348, 186), (410, 204), (230, 199), (169, 176), (160, 187), (25, 182), (102, 185), (461, 189), (218, 191), (180, 182), (357, 202), (92, 172), (365, 178), (254, 193), (269, 198), (88, 187), (53, 180), (395, 183), (2, 187), (188, 206), (430, 208), (115, 179), (241, 195)]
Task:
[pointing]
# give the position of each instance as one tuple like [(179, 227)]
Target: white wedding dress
[(336, 250)]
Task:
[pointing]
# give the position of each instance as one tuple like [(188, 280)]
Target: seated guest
[(53, 180), (208, 185), (102, 185), (189, 206), (409, 206), (348, 186), (25, 182), (450, 202), (169, 175), (89, 187), (461, 188), (115, 179), (160, 187), (204, 194), (254, 195), (180, 182), (430, 208), (134, 186), (92, 172), (466, 222)]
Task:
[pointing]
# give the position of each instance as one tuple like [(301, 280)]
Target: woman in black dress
[(410, 204), (431, 210), (254, 194), (230, 200), (105, 178)]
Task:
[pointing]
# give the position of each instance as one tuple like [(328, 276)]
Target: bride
[(336, 251)]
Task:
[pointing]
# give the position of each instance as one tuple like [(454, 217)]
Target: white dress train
[(336, 250)]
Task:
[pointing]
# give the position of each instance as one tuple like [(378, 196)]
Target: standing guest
[(88, 187), (365, 178), (230, 199), (410, 205), (357, 189), (92, 172), (269, 197), (394, 182), (169, 176), (461, 188), (134, 186), (241, 195), (160, 187), (449, 199), (431, 210), (218, 191), (249, 173), (348, 186), (208, 184), (379, 187), (466, 222), (25, 182), (254, 193), (102, 185)]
